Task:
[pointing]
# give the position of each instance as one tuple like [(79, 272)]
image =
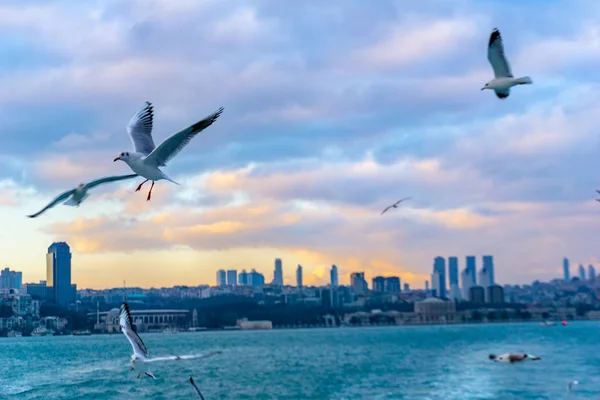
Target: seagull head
[(123, 157), (487, 86)]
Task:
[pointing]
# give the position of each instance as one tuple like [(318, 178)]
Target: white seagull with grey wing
[(503, 77), (145, 160), (140, 352), (76, 196)]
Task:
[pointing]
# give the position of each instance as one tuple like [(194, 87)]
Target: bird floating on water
[(196, 388), (76, 196), (395, 205), (513, 357), (140, 352), (503, 77), (146, 159)]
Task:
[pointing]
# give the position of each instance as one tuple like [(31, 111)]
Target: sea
[(396, 362)]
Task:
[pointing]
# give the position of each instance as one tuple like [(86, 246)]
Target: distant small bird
[(571, 384), (395, 205), (503, 77), (513, 357), (145, 159), (80, 193), (196, 387)]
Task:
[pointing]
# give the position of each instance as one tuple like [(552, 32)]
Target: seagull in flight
[(140, 352), (76, 196), (571, 384), (395, 205), (513, 357), (503, 77), (146, 159), (196, 388)]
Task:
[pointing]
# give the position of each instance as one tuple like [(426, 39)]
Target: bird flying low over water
[(146, 159), (395, 205), (140, 353), (503, 77), (196, 388), (75, 197), (513, 357)]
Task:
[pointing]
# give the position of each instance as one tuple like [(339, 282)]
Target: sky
[(332, 112)]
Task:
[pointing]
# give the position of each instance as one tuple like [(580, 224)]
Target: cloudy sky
[(332, 111)]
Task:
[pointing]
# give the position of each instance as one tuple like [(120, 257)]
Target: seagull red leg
[(140, 186), (150, 192)]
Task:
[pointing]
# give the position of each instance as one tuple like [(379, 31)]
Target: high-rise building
[(256, 278), (406, 287), (495, 294), (436, 283), (471, 266), (467, 283), (378, 284), (58, 273), (439, 267), (392, 284), (455, 292), (221, 277), (453, 270), (581, 272), (477, 294), (278, 273), (488, 265), (427, 286), (484, 278), (358, 282), (299, 276), (566, 269), (232, 277), (591, 273), (243, 278), (10, 279), (333, 275)]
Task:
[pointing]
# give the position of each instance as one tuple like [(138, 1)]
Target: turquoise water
[(428, 362)]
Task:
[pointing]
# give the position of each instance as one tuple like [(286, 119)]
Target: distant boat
[(41, 331), (81, 333), (14, 334), (170, 330), (547, 323)]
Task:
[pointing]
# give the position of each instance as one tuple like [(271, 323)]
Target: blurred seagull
[(140, 353), (80, 193), (145, 159), (513, 357), (196, 388), (503, 77), (598, 193), (395, 205), (571, 384)]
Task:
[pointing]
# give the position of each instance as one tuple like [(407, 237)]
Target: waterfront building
[(392, 284), (221, 277), (439, 268), (471, 266), (378, 284), (58, 273), (435, 310), (488, 265), (495, 294), (232, 277), (10, 279), (358, 282), (477, 294), (484, 278)]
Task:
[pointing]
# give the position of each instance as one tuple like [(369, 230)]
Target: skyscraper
[(566, 269), (439, 267), (278, 273), (378, 284), (472, 268), (299, 276), (58, 273), (467, 283), (10, 279), (591, 273), (392, 284), (256, 278), (436, 282), (221, 277), (333, 274), (453, 277), (232, 277), (358, 282), (243, 278), (488, 265), (581, 272), (484, 278)]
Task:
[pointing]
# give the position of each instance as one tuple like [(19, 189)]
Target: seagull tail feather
[(524, 80)]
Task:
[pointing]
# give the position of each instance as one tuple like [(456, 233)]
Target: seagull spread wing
[(401, 200), (110, 179), (173, 145), (497, 58), (387, 208), (189, 357), (140, 130), (196, 388), (58, 199), (139, 348)]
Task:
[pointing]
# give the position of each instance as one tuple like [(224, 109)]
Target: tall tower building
[(581, 273), (467, 283), (221, 277), (453, 277), (378, 284), (591, 273), (471, 265), (358, 282), (488, 265), (278, 273), (333, 274), (484, 278), (566, 269), (299, 276), (232, 277), (10, 279), (58, 273), (439, 267)]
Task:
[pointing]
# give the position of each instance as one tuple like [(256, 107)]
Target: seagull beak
[(482, 88), (117, 159)]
